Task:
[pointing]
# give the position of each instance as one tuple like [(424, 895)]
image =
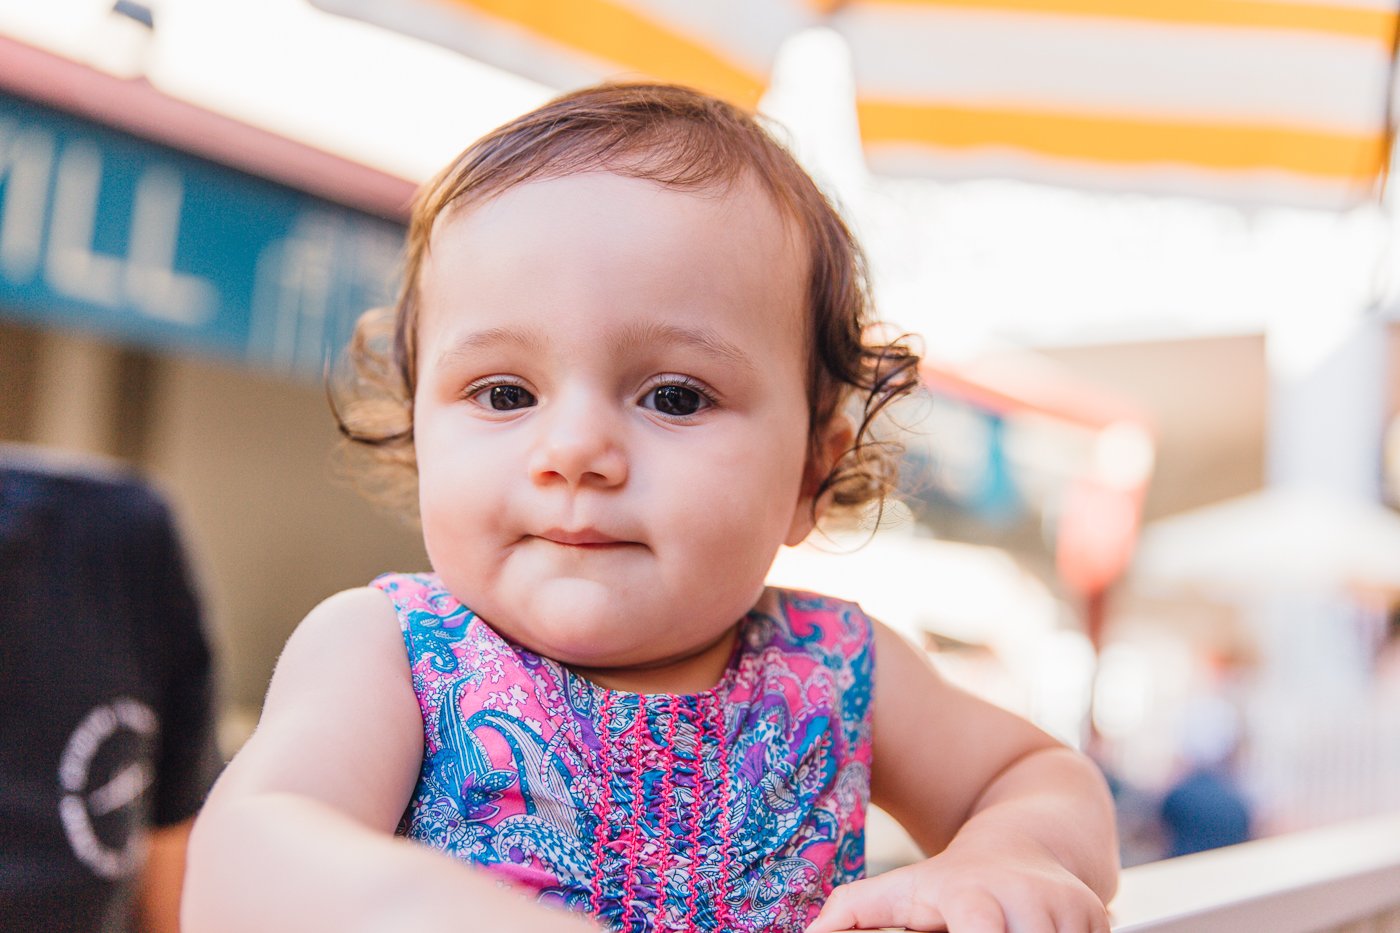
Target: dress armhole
[(398, 586)]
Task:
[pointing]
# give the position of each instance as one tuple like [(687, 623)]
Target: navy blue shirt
[(105, 699)]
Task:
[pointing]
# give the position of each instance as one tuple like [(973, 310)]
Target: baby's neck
[(691, 673)]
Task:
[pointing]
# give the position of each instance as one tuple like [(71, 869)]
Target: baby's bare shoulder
[(354, 621), (347, 650)]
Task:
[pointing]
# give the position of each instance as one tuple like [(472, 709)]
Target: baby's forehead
[(736, 235), (608, 239), (646, 219)]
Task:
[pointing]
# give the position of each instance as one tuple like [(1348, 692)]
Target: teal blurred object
[(106, 232)]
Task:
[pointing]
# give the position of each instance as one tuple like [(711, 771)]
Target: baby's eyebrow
[(467, 343), (629, 339), (700, 338)]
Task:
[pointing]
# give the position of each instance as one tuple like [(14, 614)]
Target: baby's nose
[(579, 446)]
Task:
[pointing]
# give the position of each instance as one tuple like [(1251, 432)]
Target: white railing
[(1337, 879)]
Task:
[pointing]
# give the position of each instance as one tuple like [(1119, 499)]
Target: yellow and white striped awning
[(1252, 100)]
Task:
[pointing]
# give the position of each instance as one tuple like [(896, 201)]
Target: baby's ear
[(835, 440)]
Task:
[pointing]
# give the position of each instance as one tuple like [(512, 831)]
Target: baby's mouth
[(583, 539)]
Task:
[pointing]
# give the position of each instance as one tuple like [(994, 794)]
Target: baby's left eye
[(675, 400)]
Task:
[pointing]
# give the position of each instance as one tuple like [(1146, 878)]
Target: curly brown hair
[(681, 139)]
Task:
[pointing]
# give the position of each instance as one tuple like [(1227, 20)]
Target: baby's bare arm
[(297, 834), (1020, 828)]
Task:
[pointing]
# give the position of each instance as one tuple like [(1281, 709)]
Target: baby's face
[(611, 419)]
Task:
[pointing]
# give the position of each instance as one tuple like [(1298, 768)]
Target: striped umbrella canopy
[(1264, 101)]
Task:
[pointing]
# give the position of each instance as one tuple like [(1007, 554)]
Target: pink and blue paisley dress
[(735, 809)]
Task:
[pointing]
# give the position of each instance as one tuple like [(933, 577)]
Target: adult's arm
[(161, 880)]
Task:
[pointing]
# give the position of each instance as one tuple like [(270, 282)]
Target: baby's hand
[(970, 890)]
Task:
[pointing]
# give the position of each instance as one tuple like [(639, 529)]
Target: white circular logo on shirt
[(81, 803)]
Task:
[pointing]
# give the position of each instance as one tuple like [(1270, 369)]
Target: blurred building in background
[(1148, 294)]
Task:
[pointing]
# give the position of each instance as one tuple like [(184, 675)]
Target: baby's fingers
[(894, 900), (862, 905)]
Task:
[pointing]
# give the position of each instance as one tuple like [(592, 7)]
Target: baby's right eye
[(509, 398), (504, 396)]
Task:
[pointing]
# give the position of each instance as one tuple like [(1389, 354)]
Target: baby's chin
[(578, 622)]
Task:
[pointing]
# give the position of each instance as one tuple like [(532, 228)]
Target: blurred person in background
[(106, 738), (1205, 808)]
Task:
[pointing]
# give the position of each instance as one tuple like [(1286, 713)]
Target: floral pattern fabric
[(735, 809)]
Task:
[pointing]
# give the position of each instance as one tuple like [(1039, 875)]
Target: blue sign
[(110, 233)]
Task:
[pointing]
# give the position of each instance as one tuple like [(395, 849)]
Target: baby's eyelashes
[(677, 397), (675, 400), (500, 395)]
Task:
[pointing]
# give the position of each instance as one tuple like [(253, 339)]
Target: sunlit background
[(1150, 489)]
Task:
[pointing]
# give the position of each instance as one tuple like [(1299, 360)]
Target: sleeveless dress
[(735, 809)]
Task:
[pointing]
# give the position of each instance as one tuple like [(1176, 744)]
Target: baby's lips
[(583, 537)]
